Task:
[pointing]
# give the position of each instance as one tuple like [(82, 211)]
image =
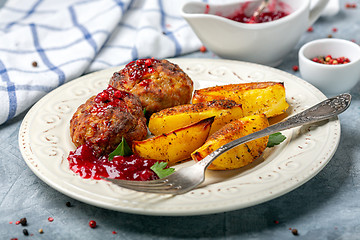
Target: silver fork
[(188, 178)]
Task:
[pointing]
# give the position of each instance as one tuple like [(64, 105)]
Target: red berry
[(310, 29), (295, 68), (315, 59), (50, 219), (92, 224), (150, 70), (103, 96), (118, 94), (350, 5), (334, 29), (148, 62), (202, 49)]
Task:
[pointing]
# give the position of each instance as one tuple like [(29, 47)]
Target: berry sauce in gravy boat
[(264, 43)]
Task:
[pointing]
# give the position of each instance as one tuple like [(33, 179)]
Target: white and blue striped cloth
[(45, 43)]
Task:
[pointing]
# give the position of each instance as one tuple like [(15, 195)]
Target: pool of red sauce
[(263, 17), (240, 16), (83, 162)]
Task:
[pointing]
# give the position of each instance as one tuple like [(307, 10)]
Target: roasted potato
[(240, 155), (256, 98), (176, 145), (176, 117)]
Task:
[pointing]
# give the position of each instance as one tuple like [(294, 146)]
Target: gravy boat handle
[(316, 10)]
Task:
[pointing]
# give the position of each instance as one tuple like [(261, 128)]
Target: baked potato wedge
[(176, 145), (255, 98), (240, 155), (176, 117)]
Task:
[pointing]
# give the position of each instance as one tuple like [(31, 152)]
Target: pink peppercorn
[(329, 60), (315, 59), (350, 5), (92, 224)]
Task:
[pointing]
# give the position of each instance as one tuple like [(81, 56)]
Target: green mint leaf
[(160, 169), (122, 149), (275, 139)]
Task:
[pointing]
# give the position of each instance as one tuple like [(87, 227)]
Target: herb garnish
[(160, 169), (275, 139), (122, 149)]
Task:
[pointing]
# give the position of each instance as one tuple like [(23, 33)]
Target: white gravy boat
[(265, 43)]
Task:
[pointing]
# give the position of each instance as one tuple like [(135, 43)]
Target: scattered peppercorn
[(329, 36), (329, 60), (350, 5), (34, 64), (92, 224), (68, 204), (202, 49), (23, 221), (25, 232), (41, 231), (295, 68), (17, 222), (294, 231)]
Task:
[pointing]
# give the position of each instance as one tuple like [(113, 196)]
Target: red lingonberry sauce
[(110, 97), (83, 162), (140, 68), (145, 83), (263, 17)]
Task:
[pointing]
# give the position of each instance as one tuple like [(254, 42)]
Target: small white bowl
[(330, 79)]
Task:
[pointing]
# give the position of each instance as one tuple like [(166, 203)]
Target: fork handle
[(324, 110)]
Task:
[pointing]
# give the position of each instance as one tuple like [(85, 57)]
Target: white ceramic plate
[(45, 143)]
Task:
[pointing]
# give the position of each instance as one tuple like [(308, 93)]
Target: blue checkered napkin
[(45, 43)]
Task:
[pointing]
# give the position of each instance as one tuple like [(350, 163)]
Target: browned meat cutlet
[(104, 119), (159, 84)]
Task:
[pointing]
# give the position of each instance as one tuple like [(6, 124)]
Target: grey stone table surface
[(326, 207)]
